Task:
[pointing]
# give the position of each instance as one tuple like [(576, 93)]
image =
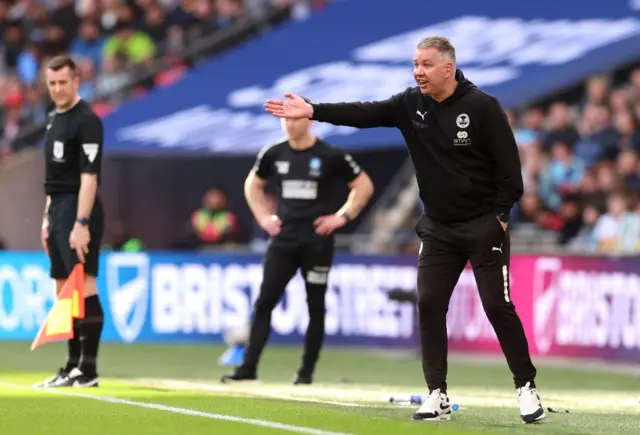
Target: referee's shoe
[(75, 378)]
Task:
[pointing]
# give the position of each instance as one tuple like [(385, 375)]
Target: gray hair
[(442, 45)]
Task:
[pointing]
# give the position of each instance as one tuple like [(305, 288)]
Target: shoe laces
[(433, 398), (526, 392)]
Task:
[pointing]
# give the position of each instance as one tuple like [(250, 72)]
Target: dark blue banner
[(165, 297), (363, 50)]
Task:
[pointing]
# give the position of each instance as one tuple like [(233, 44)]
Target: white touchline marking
[(265, 393), (183, 411)]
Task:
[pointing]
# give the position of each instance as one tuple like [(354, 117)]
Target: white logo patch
[(463, 120), (282, 167), (58, 150), (422, 115), (299, 189), (462, 140), (91, 150)]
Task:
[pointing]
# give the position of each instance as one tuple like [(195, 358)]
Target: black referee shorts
[(62, 217)]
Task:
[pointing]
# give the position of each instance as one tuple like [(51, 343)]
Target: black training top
[(306, 182), (463, 150)]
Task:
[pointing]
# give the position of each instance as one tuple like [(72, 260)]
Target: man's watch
[(503, 217), (83, 221), (345, 215)]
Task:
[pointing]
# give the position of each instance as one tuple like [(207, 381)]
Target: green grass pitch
[(154, 390)]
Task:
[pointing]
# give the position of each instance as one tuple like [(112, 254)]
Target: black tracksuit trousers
[(280, 265), (444, 252)]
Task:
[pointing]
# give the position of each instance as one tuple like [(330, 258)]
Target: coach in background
[(307, 170), (468, 171)]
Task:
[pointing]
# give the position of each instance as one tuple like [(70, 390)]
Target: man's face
[(62, 86), (430, 70), (295, 128)]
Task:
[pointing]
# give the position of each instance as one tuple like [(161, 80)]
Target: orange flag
[(58, 325)]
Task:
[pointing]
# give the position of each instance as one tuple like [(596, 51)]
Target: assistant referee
[(73, 220), (468, 170)]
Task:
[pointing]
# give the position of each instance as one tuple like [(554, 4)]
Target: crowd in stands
[(581, 167), (112, 40)]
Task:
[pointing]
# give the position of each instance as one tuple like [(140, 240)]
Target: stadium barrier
[(570, 306)]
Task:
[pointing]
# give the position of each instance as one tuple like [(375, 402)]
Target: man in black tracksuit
[(469, 174)]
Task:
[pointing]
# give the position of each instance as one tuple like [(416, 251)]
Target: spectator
[(528, 208), (628, 133), (531, 210), (87, 89), (112, 79), (562, 176), (135, 46), (34, 109), (229, 12), (213, 224), (28, 65), (628, 169), (598, 138), (608, 180), (619, 229), (561, 129), (155, 24), (634, 86), (619, 101), (89, 44), (597, 91), (591, 193), (585, 240), (532, 127), (571, 217)]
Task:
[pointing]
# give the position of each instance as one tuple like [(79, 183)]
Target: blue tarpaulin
[(362, 50)]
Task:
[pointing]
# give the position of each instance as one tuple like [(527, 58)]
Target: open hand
[(293, 107)]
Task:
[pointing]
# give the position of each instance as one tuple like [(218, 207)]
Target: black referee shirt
[(73, 145)]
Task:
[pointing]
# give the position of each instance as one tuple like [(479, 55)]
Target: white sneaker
[(436, 407), (531, 409)]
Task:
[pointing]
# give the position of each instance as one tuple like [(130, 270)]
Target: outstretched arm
[(357, 114)]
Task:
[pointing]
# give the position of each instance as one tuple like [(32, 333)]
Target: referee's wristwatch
[(83, 221)]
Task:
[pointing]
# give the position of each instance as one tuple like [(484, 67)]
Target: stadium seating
[(124, 49)]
